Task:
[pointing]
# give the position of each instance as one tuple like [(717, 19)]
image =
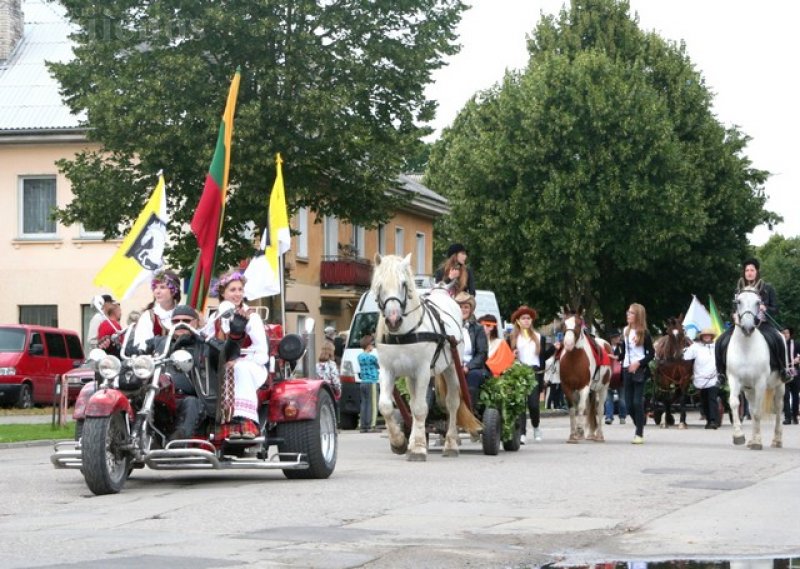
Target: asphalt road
[(683, 494)]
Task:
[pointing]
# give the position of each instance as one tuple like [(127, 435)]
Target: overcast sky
[(747, 51)]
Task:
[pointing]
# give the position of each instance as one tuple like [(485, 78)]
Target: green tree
[(598, 176), (780, 266), (336, 87)]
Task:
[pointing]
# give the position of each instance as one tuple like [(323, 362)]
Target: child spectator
[(368, 364), (327, 370)]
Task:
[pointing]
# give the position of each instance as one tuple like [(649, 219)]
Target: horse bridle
[(577, 330), (756, 315)]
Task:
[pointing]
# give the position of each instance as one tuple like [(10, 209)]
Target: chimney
[(11, 26)]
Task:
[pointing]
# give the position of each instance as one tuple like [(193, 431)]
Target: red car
[(31, 357)]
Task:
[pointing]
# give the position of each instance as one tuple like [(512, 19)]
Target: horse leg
[(397, 438), (777, 402), (580, 414), (756, 411), (597, 400), (417, 389), (572, 403), (682, 407), (733, 403), (452, 401)]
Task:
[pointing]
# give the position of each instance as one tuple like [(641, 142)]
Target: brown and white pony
[(585, 384), (673, 374)]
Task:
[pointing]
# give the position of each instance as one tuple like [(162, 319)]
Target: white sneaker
[(522, 439), (622, 421), (537, 435)]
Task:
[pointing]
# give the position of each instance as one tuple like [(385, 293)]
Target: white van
[(365, 320)]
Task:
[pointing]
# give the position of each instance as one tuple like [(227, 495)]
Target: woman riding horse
[(751, 276)]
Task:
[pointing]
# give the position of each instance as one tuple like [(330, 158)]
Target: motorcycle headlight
[(182, 360), (143, 367), (109, 367)]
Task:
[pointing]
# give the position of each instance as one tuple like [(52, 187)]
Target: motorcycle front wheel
[(106, 462)]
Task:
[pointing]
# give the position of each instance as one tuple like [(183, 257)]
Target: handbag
[(638, 376)]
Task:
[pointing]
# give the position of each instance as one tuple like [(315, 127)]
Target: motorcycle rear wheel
[(105, 463), (316, 438)]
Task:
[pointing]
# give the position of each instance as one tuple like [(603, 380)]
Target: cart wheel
[(514, 444), (492, 426)]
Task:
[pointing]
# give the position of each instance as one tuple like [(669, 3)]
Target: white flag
[(697, 318), (263, 272)]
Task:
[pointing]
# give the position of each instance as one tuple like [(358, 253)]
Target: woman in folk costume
[(239, 409), (531, 349), (156, 320)]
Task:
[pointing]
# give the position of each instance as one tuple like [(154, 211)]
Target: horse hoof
[(450, 453), (663, 425), (755, 446), (590, 438), (400, 449), (599, 439), (776, 444), (572, 441), (416, 457), (738, 440), (682, 426)]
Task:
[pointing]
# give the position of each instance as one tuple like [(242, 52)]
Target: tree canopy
[(336, 87), (780, 266), (599, 176)]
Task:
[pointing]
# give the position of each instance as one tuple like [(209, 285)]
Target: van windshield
[(12, 339), (363, 324)]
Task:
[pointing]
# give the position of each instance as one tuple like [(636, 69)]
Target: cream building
[(46, 269)]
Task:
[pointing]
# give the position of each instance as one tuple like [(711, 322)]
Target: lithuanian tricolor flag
[(207, 220), (716, 321)]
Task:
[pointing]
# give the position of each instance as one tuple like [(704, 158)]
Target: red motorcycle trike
[(125, 418)]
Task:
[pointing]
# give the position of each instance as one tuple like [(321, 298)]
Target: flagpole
[(283, 293)]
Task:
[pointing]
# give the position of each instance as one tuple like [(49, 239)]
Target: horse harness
[(413, 337)]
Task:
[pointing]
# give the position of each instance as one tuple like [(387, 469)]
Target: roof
[(424, 200), (29, 96)]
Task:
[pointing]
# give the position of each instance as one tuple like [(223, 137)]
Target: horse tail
[(768, 404), (465, 419)]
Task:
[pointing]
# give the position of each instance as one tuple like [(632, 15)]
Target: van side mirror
[(36, 349)]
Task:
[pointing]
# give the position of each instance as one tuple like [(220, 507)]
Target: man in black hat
[(191, 409), (456, 256)]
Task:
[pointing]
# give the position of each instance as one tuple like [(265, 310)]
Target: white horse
[(585, 384), (411, 339), (749, 370)]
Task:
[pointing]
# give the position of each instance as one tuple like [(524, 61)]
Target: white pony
[(585, 384), (749, 370), (411, 340)]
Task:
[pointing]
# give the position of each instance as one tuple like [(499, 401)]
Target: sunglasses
[(182, 320)]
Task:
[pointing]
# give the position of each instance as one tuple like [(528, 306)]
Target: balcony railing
[(345, 271)]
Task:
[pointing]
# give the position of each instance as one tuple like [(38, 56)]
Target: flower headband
[(171, 280), (225, 280)]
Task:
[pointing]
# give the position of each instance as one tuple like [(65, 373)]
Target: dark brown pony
[(673, 374)]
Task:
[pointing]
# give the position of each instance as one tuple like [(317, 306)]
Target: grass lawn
[(35, 432)]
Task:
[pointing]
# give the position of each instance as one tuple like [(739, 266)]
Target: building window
[(330, 227), (38, 199), (302, 232), (399, 238), (382, 239), (90, 233), (40, 314), (420, 253), (358, 241)]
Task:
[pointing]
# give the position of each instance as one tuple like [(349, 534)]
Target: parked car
[(31, 357), (365, 319)]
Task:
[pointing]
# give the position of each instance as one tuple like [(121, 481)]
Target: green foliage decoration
[(509, 395)]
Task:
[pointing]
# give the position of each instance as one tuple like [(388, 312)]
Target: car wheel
[(315, 438), (25, 400)]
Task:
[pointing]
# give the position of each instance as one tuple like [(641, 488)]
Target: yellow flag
[(263, 272), (142, 250)]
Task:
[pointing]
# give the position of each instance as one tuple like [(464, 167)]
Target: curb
[(25, 444)]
